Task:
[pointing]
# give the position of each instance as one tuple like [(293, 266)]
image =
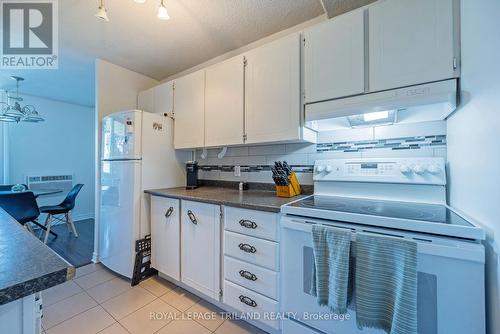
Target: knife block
[(291, 190)]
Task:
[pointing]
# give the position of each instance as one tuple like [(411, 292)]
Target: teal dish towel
[(386, 283), (331, 267)]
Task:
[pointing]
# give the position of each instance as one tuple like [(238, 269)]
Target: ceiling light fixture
[(11, 109), (102, 13), (162, 11), (140, 1)]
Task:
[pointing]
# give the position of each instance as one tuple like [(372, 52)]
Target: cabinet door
[(165, 236), (145, 100), (272, 89), (189, 108), (224, 103), (164, 98), (200, 257), (411, 42), (334, 55)]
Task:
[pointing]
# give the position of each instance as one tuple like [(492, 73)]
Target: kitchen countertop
[(247, 199), (27, 265)]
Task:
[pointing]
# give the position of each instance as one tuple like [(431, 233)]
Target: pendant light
[(102, 13), (162, 11), (4, 107), (12, 111)]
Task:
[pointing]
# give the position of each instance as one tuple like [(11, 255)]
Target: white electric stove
[(402, 197)]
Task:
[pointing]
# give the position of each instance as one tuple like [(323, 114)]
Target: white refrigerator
[(137, 154)]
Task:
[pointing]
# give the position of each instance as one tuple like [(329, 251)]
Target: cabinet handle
[(247, 248), (169, 212), (247, 300), (248, 275), (248, 223), (192, 217)]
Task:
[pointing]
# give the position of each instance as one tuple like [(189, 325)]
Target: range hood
[(426, 102)]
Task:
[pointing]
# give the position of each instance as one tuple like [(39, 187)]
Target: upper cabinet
[(159, 99), (164, 98), (190, 111), (412, 42), (224, 91), (146, 100), (334, 55), (272, 92)]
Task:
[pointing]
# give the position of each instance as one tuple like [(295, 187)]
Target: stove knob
[(434, 169), (320, 168), (328, 169), (418, 169), (405, 169)]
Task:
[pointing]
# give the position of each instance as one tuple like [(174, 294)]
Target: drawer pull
[(169, 212), (248, 275), (248, 224), (247, 300), (192, 217), (247, 248)]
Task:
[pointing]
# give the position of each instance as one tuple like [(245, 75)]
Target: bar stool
[(64, 208)]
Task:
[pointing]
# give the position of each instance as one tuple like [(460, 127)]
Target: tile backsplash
[(255, 161)]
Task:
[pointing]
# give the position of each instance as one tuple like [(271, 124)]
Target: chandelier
[(11, 109), (102, 12)]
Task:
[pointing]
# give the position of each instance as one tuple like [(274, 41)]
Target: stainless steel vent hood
[(426, 102)]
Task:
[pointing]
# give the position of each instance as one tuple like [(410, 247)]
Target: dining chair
[(22, 206), (63, 208)]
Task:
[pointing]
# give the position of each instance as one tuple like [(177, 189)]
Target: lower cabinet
[(165, 236), (251, 263), (200, 247)]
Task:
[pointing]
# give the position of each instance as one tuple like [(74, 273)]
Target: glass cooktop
[(392, 209)]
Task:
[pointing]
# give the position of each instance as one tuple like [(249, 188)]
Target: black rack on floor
[(142, 265)]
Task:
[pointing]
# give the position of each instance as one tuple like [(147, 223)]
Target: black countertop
[(27, 265), (248, 199)]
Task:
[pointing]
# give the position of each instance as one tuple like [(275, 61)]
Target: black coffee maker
[(192, 174)]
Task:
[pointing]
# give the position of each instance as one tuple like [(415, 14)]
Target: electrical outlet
[(237, 171)]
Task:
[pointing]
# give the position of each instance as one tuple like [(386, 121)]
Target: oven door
[(450, 282)]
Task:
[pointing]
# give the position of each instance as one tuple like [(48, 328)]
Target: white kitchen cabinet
[(190, 111), (146, 100), (165, 236), (272, 92), (334, 58), (159, 99), (164, 98), (224, 90), (200, 242), (412, 42)]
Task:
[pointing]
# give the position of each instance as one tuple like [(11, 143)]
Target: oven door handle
[(466, 251)]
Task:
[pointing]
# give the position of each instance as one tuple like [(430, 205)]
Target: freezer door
[(119, 214), (121, 135)]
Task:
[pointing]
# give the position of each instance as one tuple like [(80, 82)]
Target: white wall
[(473, 137), (64, 143), (116, 90)]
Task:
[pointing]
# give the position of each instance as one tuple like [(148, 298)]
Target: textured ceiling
[(197, 31)]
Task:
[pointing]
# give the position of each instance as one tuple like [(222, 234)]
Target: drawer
[(257, 251), (261, 280), (250, 302), (251, 222)]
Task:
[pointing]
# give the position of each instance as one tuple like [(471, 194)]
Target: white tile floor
[(98, 301)]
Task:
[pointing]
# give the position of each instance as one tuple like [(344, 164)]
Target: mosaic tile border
[(256, 168), (406, 143)]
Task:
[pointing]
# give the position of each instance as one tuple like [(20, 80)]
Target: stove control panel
[(390, 170)]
